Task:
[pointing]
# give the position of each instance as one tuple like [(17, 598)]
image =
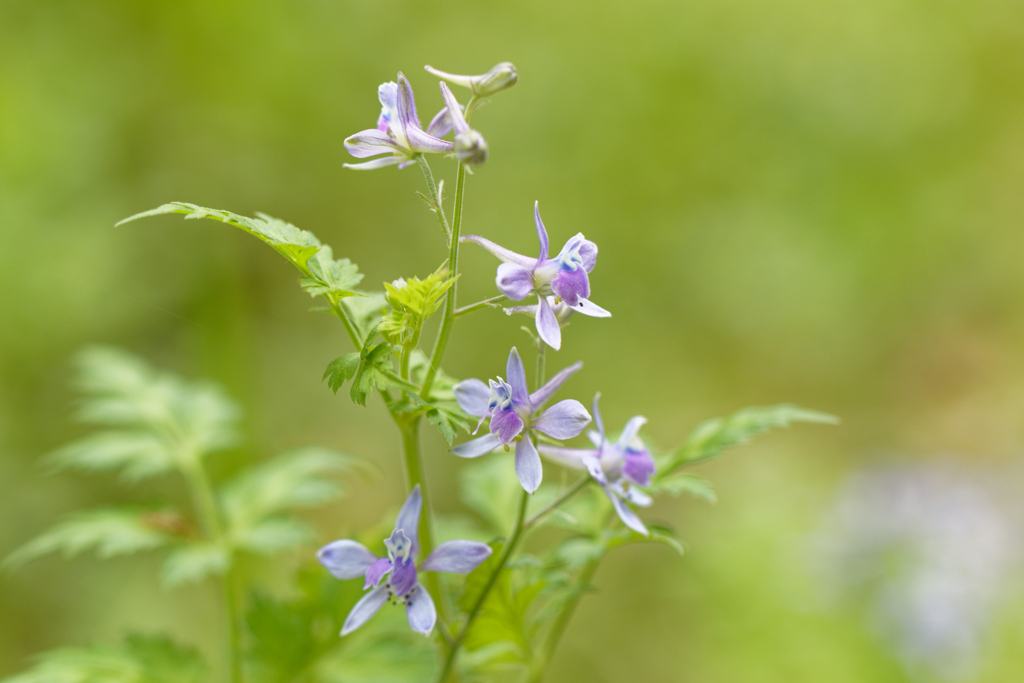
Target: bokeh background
[(795, 201)]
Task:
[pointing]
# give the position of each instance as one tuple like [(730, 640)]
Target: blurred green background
[(795, 201)]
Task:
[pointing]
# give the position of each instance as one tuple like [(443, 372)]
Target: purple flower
[(347, 559), (618, 467), (500, 77), (512, 411), (564, 277), (470, 146), (398, 133)]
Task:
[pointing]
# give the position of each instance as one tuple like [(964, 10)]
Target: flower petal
[(407, 119), (593, 465), (528, 467), (541, 396), (403, 577), (376, 163), (506, 425), (502, 253), (564, 420), (440, 125), (571, 286), (638, 466), (408, 520), (567, 457), (423, 142), (514, 281), (346, 559), (547, 324), (598, 422), (420, 611), (366, 143), (364, 609), (637, 497), (376, 572), (477, 447), (587, 307), (472, 396), (630, 430), (588, 253), (457, 557), (626, 514), (454, 110), (515, 374), (542, 233)]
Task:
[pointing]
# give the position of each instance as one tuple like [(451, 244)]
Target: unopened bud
[(471, 148), (501, 77)]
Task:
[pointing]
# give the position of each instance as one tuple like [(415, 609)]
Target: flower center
[(399, 546), (501, 395), (569, 258)]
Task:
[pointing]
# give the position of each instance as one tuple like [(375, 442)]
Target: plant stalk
[(434, 196)]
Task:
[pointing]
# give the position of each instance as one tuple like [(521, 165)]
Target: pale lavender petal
[(547, 324), (454, 110), (364, 609), (598, 422), (626, 514), (376, 163), (405, 164), (541, 396), (514, 281), (502, 253), (564, 420), (637, 497), (595, 438), (408, 520), (571, 285), (638, 467), (387, 93), (528, 467), (506, 425), (407, 120), (366, 143), (457, 557), (403, 577), (420, 611), (588, 252), (477, 447), (515, 374), (346, 559), (593, 465), (587, 307), (376, 572), (422, 142), (542, 233), (440, 125), (472, 396), (566, 457), (630, 430)]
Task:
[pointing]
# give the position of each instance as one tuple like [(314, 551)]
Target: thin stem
[(453, 269), (506, 553), (564, 617), (540, 369), (435, 196), (346, 320), (479, 304), (568, 493)]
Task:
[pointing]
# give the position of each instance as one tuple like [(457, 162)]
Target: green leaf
[(138, 454), (337, 278), (713, 436), (142, 659), (194, 562), (275, 535), (684, 482), (367, 310), (107, 532), (340, 370), (446, 415), (373, 368)]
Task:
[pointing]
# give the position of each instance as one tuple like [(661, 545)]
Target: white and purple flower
[(399, 133), (347, 559), (470, 146), (618, 467), (564, 277), (513, 413)]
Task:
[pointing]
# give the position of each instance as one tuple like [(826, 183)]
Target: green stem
[(479, 304), (539, 377), (564, 496), (564, 617), (506, 552), (346, 320), (435, 196), (453, 269)]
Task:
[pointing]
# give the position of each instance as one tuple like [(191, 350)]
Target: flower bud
[(471, 148), (501, 77)]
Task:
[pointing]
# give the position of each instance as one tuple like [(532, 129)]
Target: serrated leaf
[(373, 368), (138, 454), (107, 532), (273, 535), (329, 276), (576, 552), (340, 370), (683, 482), (194, 562), (713, 436)]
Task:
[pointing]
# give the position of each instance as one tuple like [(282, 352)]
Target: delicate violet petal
[(399, 546), (454, 110), (506, 255), (626, 514), (542, 233), (387, 93), (364, 609), (598, 422), (420, 611), (587, 307), (637, 497), (505, 425), (514, 281), (564, 420), (516, 375), (528, 467), (376, 572), (595, 438), (472, 396), (566, 457), (406, 119), (408, 520), (366, 143), (477, 447), (588, 254), (593, 465), (547, 324), (457, 557), (630, 430), (638, 466), (440, 125), (345, 559), (376, 163), (422, 142), (571, 286), (541, 396), (403, 577)]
